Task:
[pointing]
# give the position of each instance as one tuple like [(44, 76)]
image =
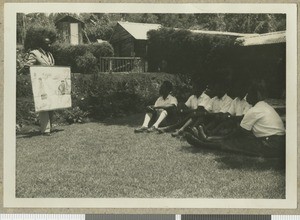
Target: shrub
[(22, 57), (24, 87), (86, 63), (79, 56), (72, 115), (101, 49), (184, 52), (110, 95), (25, 113), (36, 34), (101, 96)]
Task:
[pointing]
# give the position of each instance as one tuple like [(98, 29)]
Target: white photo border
[(9, 151)]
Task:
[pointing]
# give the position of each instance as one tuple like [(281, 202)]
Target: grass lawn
[(101, 160)]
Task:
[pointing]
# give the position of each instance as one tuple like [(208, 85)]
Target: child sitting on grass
[(231, 119), (210, 110), (164, 108), (261, 131), (196, 102)]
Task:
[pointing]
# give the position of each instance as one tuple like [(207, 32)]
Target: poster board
[(51, 87)]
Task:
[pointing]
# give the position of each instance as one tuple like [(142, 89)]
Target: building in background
[(70, 30), (130, 39), (264, 56)]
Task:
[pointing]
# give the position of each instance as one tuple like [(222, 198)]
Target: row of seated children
[(213, 111), (261, 131), (246, 125)]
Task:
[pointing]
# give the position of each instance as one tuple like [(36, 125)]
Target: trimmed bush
[(81, 58), (86, 63), (110, 95), (101, 49), (100, 96), (192, 54)]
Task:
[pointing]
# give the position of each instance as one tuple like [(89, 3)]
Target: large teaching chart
[(51, 87)]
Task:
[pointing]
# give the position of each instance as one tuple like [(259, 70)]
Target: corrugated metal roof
[(268, 38), (222, 33), (139, 30)]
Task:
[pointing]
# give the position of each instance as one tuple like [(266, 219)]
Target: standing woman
[(40, 55)]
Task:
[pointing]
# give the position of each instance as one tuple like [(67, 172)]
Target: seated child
[(231, 119), (221, 102), (194, 102), (165, 106), (261, 132), (208, 110)]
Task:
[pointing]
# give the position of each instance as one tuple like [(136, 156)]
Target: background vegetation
[(82, 58), (195, 55), (100, 25), (100, 96), (189, 56)]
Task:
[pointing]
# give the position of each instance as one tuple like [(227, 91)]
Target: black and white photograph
[(184, 105)]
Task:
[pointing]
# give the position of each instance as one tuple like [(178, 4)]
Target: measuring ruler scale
[(143, 217)]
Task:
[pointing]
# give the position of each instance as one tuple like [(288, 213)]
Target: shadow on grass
[(236, 161), (228, 160), (35, 133), (133, 121)]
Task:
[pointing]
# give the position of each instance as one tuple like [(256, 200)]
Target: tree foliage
[(255, 23), (26, 22), (35, 36), (97, 26), (101, 25)]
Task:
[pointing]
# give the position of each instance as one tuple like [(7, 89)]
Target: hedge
[(99, 96), (82, 58), (193, 54)]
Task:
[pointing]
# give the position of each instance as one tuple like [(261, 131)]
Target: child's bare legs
[(174, 126), (181, 130)]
